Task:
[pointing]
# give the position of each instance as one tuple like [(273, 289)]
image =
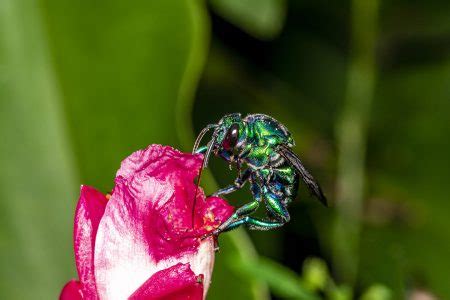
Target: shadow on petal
[(174, 283), (71, 291)]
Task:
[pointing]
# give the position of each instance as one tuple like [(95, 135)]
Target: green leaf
[(38, 181), (121, 69), (408, 175), (315, 274), (228, 281), (351, 135), (342, 292), (282, 281), (82, 85), (263, 19), (377, 292)]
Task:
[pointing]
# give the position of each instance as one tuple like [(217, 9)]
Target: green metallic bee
[(260, 147)]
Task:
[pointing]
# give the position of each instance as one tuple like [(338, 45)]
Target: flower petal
[(174, 283), (148, 227), (177, 171), (89, 212), (71, 291)]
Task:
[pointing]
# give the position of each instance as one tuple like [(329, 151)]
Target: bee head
[(230, 133)]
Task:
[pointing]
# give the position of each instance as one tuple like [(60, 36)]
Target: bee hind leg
[(235, 219), (258, 224), (278, 215)]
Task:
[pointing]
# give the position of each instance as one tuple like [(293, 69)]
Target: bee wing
[(307, 178)]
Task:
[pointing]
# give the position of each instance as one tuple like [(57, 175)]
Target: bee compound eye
[(231, 137)]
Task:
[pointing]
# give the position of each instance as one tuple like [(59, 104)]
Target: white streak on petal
[(122, 260)]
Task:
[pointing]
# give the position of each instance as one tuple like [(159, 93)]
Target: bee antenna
[(204, 165), (195, 195), (211, 145), (201, 134)]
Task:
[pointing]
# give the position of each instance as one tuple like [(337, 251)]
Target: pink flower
[(142, 243)]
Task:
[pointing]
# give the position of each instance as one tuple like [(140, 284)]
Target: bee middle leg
[(227, 190), (277, 211), (238, 183)]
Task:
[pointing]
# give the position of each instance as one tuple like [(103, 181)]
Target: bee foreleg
[(238, 183), (201, 150)]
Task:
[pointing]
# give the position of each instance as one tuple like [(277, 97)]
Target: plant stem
[(351, 132)]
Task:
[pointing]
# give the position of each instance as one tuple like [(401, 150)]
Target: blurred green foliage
[(315, 274), (377, 292), (262, 19), (301, 77), (365, 90), (282, 281)]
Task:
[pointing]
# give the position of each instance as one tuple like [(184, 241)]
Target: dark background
[(363, 85)]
